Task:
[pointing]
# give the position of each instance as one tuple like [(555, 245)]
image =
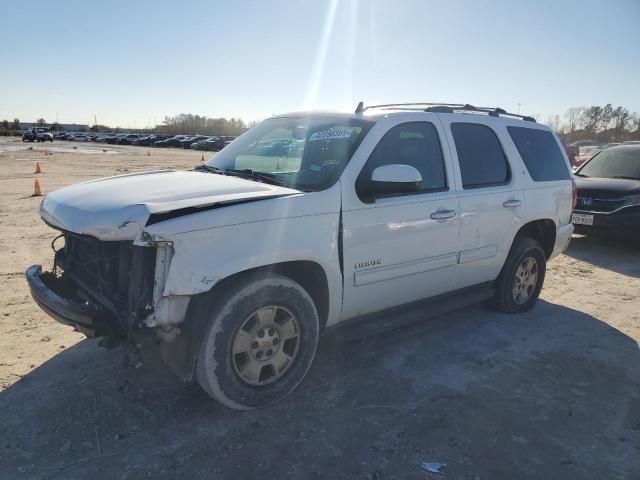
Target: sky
[(131, 63)]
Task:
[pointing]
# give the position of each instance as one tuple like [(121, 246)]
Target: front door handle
[(512, 203), (443, 214)]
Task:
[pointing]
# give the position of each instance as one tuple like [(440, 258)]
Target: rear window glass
[(540, 153), (482, 160)]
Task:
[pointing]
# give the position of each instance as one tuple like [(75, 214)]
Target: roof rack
[(444, 108)]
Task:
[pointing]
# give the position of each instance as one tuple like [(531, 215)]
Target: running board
[(397, 317)]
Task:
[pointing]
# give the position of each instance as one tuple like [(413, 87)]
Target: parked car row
[(196, 142)]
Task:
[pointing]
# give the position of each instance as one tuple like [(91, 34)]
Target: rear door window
[(540, 152), (482, 160)]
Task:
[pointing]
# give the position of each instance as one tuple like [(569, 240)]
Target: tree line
[(604, 123), (8, 128), (188, 123)]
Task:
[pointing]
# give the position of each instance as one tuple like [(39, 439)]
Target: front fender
[(201, 259), (210, 246)]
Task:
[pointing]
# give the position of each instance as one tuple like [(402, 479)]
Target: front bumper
[(624, 222), (89, 321)]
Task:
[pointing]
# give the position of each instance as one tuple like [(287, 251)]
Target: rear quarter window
[(540, 153)]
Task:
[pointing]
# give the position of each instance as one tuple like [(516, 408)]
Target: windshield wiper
[(251, 175), (625, 178), (208, 168), (580, 175)]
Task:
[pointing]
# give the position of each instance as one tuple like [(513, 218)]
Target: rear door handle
[(443, 214), (512, 203)]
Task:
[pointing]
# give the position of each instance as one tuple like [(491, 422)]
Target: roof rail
[(438, 107)]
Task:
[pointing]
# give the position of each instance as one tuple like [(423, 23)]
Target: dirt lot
[(551, 394)]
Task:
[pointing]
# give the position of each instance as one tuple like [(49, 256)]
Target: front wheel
[(520, 281), (261, 338)]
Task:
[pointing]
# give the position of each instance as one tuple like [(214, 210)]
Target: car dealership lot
[(553, 393)]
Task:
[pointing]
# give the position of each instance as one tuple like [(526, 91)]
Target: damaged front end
[(101, 288)]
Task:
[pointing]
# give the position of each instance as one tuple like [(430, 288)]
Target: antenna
[(360, 107)]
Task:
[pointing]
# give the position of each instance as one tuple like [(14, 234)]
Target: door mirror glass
[(394, 178)]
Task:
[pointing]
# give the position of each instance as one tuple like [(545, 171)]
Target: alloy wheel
[(266, 345), (525, 280)]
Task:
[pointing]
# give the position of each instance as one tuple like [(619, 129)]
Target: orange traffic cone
[(46, 152), (38, 169), (202, 159), (36, 189)]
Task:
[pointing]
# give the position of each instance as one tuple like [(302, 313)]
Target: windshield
[(618, 162), (300, 152)]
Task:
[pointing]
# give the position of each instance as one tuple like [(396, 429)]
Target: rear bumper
[(63, 310), (563, 238)]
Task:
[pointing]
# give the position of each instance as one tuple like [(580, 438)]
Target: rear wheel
[(520, 281), (261, 339)]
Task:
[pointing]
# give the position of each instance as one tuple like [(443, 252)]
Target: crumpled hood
[(117, 208)]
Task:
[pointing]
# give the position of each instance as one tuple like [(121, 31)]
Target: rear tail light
[(574, 194)]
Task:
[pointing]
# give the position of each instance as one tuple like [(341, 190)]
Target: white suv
[(302, 223)]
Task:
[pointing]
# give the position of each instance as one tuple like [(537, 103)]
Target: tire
[(230, 353), (516, 290)]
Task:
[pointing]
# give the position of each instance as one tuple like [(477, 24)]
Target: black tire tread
[(502, 301), (218, 306)]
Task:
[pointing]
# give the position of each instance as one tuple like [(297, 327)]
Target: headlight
[(632, 200)]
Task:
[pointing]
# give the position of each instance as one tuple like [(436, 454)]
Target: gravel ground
[(550, 394)]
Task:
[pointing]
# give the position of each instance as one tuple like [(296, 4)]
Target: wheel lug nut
[(271, 332), (275, 341), (254, 344), (259, 355), (269, 352), (261, 333)]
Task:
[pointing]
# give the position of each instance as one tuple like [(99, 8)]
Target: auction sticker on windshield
[(582, 219), (334, 132)]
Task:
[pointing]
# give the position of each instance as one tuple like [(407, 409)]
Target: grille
[(595, 203), (116, 274)]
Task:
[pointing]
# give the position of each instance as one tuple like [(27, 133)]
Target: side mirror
[(390, 179)]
